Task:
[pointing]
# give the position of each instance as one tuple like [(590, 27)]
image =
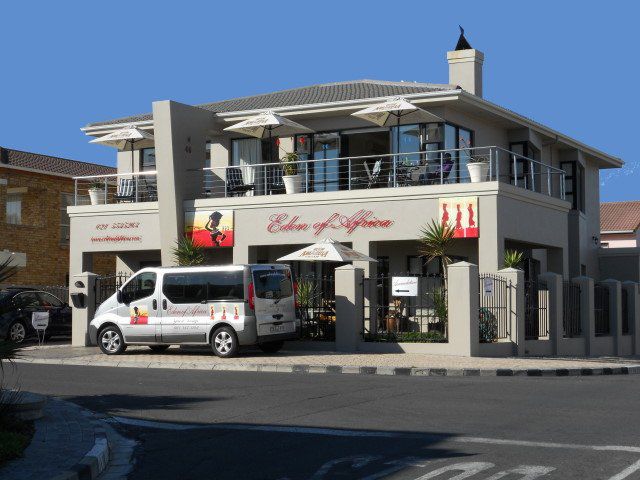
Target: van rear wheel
[(271, 347), (224, 342)]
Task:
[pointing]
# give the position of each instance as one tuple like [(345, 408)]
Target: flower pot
[(292, 183), (96, 195), (478, 171)]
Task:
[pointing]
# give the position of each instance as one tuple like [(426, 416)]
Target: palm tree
[(435, 239), (7, 270), (187, 253)]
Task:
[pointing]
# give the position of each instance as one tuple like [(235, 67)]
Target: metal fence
[(571, 309), (495, 305), (601, 309), (317, 307), (389, 317), (536, 309), (625, 312), (106, 286)]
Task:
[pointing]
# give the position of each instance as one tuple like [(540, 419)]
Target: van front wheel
[(224, 342), (271, 347)]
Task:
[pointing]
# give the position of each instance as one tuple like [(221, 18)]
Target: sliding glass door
[(326, 169)]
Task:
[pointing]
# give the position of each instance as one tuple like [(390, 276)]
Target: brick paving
[(176, 357)]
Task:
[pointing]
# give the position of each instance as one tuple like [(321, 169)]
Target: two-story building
[(369, 186)]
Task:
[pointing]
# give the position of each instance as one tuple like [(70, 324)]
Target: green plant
[(512, 258), (435, 239), (187, 252), (96, 185), (433, 336), (290, 163), (440, 306), (487, 325), (307, 293)]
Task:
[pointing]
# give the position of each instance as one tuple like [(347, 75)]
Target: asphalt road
[(196, 424)]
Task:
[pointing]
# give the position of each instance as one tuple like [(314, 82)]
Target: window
[(14, 208), (140, 286), (273, 284), (456, 137), (26, 300), (574, 184), (528, 173), (66, 200), (208, 174), (409, 142), (147, 159), (199, 287), (50, 301)]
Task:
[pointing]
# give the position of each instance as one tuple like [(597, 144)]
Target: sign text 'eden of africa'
[(362, 219)]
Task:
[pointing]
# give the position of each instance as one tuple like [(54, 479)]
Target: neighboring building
[(360, 185), (35, 191), (619, 222)]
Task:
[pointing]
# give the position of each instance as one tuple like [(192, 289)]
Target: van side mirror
[(119, 296)]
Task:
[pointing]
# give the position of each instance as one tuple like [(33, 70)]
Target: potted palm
[(291, 178), (478, 169), (96, 193)]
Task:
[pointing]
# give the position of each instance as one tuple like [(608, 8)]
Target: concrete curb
[(93, 464), (362, 370)]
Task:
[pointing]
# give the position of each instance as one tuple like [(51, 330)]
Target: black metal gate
[(390, 317), (495, 306), (106, 286), (571, 309), (601, 309), (536, 300)]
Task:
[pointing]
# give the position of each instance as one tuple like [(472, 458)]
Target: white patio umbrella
[(124, 137), (263, 125), (327, 250), (395, 111)]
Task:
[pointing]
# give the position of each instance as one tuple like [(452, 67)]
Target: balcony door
[(326, 169)]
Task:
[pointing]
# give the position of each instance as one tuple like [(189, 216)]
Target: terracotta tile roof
[(313, 94), (49, 164), (619, 216)]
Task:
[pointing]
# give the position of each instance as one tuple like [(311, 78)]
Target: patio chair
[(235, 183), (373, 176), (125, 191), (275, 183), (148, 190), (432, 178)]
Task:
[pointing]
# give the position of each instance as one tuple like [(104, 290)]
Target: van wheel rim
[(17, 332), (110, 341), (223, 342)]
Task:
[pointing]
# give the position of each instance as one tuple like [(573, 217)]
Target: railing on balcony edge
[(116, 188)]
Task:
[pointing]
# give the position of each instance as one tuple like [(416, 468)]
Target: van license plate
[(276, 329)]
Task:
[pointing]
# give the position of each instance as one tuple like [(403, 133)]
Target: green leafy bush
[(488, 326), (409, 337)]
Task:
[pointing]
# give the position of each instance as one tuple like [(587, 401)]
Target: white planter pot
[(292, 183), (96, 195), (478, 172)]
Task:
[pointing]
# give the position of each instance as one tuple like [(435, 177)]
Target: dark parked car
[(16, 307)]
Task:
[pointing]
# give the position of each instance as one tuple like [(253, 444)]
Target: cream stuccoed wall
[(181, 132), (620, 240)]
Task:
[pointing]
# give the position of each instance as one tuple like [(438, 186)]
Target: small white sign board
[(40, 320), (404, 286), (487, 286)]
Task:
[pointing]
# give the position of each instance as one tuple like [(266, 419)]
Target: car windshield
[(273, 284)]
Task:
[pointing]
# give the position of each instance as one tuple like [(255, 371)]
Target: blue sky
[(570, 65)]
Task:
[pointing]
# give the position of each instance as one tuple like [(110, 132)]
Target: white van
[(226, 307)]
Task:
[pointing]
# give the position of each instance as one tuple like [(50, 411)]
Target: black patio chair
[(148, 190), (235, 183), (433, 178), (373, 177), (275, 183)]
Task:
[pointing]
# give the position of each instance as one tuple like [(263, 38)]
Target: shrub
[(488, 326)]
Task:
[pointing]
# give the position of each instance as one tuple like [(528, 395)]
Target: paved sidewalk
[(332, 362)]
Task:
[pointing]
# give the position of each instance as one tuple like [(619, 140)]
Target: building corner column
[(463, 303), (349, 307)]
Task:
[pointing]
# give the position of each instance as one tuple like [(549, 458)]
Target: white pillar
[(349, 307), (587, 320), (633, 309), (554, 309), (84, 284), (463, 304)]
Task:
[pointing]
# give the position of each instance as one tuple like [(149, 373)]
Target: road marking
[(356, 461), (468, 469), (528, 472), (370, 434), (627, 471)]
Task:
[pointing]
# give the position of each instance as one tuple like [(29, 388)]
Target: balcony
[(423, 168), (116, 188)]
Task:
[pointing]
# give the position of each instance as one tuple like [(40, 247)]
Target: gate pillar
[(83, 300)]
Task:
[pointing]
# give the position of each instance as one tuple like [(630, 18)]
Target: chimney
[(465, 66), (4, 155)]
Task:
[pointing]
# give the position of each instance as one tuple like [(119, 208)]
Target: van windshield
[(272, 284)]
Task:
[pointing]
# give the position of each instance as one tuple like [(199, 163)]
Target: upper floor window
[(574, 184), (66, 200), (14, 208), (147, 159)]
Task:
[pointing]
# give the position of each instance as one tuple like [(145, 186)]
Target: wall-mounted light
[(79, 284), (596, 240)]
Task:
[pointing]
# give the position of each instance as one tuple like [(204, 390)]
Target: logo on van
[(138, 316)]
